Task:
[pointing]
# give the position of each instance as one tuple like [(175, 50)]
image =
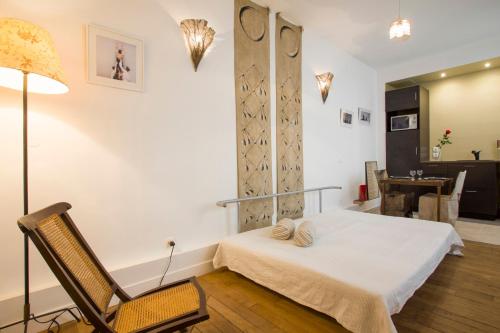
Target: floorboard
[(462, 295)]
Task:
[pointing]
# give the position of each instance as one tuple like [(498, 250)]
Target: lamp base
[(35, 318)]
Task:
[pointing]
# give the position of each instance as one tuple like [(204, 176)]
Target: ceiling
[(449, 73), (361, 27)]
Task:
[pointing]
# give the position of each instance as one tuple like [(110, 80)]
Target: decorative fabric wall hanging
[(253, 123), (289, 117)]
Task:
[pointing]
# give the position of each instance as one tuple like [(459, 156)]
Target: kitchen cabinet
[(402, 99)]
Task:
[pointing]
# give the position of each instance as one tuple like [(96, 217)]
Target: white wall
[(466, 54), (335, 155), (139, 168)]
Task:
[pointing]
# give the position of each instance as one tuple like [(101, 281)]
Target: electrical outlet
[(170, 242)]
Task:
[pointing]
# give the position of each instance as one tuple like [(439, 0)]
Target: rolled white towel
[(284, 229), (305, 234)]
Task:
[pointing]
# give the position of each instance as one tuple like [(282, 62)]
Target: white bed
[(361, 269)]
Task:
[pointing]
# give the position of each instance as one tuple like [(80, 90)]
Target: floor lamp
[(28, 62)]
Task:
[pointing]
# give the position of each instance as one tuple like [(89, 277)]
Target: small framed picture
[(365, 116), (346, 118), (114, 59)]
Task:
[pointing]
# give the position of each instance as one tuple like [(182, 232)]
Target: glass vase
[(436, 154)]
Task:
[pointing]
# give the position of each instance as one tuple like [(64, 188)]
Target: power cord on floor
[(172, 244), (51, 321), (54, 320)]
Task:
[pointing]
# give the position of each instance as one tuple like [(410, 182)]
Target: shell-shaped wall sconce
[(324, 83), (198, 37)]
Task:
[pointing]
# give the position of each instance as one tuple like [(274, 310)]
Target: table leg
[(382, 202), (439, 203)]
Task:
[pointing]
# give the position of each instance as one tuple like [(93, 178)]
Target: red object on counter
[(363, 193)]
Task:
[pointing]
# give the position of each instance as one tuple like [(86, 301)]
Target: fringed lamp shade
[(27, 48), (198, 36), (324, 83)]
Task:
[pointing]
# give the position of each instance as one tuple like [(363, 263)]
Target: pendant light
[(400, 28)]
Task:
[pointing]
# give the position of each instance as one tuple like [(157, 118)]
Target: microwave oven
[(405, 122)]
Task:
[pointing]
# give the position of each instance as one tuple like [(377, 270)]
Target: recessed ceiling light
[(487, 65), (443, 74)]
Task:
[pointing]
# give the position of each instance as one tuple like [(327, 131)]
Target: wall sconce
[(198, 36), (324, 83)]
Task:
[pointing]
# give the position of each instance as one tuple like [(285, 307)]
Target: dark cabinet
[(478, 203), (479, 175), (402, 152), (402, 99), (480, 193), (406, 148)]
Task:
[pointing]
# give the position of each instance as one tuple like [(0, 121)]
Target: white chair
[(427, 209)]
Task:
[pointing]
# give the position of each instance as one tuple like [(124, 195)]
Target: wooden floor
[(463, 295)]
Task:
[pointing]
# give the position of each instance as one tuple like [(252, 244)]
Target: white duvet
[(361, 269)]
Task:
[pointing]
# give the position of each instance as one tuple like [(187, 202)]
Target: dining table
[(437, 182)]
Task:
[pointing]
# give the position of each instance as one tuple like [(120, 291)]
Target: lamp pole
[(25, 141), (27, 310)]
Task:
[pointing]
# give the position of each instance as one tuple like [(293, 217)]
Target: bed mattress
[(361, 269)]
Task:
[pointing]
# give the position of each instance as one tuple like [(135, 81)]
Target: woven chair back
[(77, 261)]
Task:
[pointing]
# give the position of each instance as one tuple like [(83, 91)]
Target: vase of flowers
[(443, 141)]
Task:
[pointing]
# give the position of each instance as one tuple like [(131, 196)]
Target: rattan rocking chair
[(169, 308)]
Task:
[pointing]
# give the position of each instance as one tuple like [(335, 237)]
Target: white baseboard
[(134, 279)]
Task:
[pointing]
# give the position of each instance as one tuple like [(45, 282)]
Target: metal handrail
[(238, 201), (224, 203)]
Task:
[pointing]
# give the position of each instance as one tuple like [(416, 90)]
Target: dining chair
[(427, 204), (168, 308), (396, 203)]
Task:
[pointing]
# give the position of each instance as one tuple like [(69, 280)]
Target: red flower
[(448, 131)]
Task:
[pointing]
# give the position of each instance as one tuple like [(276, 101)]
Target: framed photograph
[(365, 116), (114, 59), (346, 118)]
